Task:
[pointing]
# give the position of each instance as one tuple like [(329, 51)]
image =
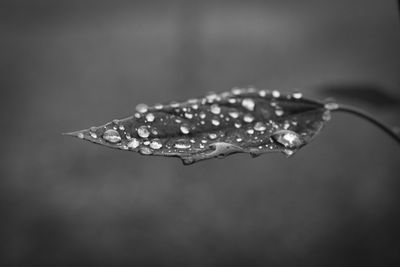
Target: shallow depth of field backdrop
[(68, 65)]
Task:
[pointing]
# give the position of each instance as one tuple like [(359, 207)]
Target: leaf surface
[(239, 121)]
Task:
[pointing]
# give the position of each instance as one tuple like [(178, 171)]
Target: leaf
[(240, 121)]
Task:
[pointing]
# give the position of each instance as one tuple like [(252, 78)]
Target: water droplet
[(143, 131), (133, 143), (215, 109), (279, 112), (156, 144), (262, 93), (248, 118), (331, 106), (234, 114), (238, 125), (288, 152), (121, 127), (204, 141), (201, 145), (81, 135), (232, 100), (146, 143), (288, 139), (236, 91), (192, 141), (145, 151), (212, 136), (215, 122), (202, 115), (195, 106), (182, 145), (150, 117), (137, 115), (154, 131), (276, 93), (250, 131), (124, 147), (239, 139), (189, 115), (326, 116), (142, 108), (93, 135), (112, 136), (184, 129), (260, 126), (297, 95), (248, 103), (174, 104), (158, 106)]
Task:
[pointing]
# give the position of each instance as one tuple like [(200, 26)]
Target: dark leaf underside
[(239, 121)]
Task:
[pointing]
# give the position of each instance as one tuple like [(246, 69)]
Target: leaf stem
[(362, 114)]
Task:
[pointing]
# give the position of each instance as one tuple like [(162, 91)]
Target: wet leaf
[(239, 121)]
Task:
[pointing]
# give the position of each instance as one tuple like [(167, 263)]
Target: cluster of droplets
[(215, 112)]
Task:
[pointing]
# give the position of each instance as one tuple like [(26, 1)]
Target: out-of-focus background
[(68, 65)]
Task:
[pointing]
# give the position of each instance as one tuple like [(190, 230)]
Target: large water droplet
[(143, 131), (260, 126), (215, 109), (156, 144), (248, 118), (142, 108), (248, 103), (150, 117), (184, 129), (133, 143), (288, 139), (112, 136)]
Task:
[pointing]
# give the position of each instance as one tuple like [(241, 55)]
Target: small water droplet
[(288, 152), (133, 143), (331, 106), (137, 115), (146, 143), (158, 106), (121, 127), (195, 106), (124, 147), (276, 93), (156, 144), (236, 91), (189, 115), (232, 100), (279, 112), (212, 136), (182, 145), (238, 125), (297, 95), (215, 122), (112, 136), (201, 145), (202, 115), (248, 118), (234, 114), (262, 93), (248, 103), (150, 117), (288, 139), (260, 126), (184, 129), (250, 131), (239, 139), (215, 109), (192, 141), (143, 131), (326, 116), (81, 135), (141, 108), (93, 135), (154, 131), (174, 104), (145, 151), (204, 141)]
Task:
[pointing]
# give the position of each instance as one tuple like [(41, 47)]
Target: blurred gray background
[(68, 65)]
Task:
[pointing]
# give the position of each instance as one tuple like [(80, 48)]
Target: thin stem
[(362, 114)]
